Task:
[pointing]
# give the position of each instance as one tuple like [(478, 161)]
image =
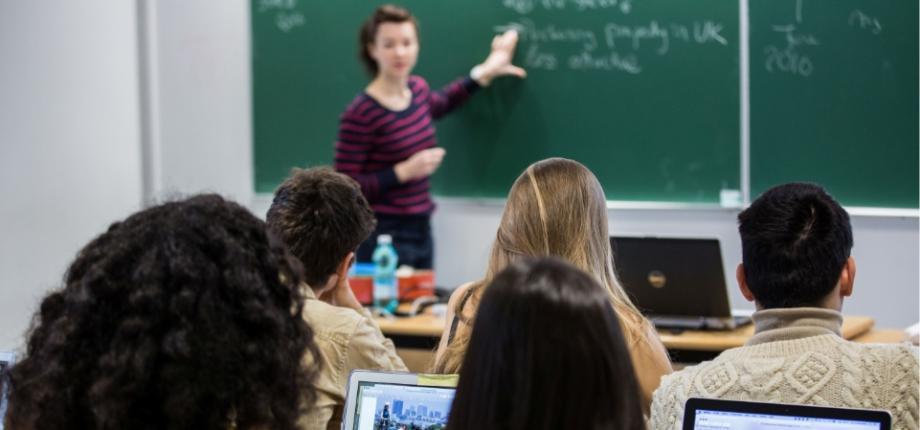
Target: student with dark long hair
[(183, 316), (546, 352)]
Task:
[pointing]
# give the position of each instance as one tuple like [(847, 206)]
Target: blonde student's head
[(556, 208)]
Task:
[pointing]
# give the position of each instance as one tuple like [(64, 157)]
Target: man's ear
[(848, 277), (342, 269), (742, 283)]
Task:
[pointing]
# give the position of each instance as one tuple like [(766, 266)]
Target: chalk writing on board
[(863, 21), (790, 58), (613, 47), (265, 5), (287, 17), (527, 6)]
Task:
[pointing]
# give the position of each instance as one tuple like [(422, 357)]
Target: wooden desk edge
[(858, 328)]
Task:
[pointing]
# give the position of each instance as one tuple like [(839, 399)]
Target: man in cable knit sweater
[(797, 269)]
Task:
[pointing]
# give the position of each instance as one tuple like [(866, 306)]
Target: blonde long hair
[(555, 208)]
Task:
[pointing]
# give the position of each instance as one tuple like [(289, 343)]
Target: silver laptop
[(676, 283), (397, 400), (712, 414)]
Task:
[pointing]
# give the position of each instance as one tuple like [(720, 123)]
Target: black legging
[(411, 238)]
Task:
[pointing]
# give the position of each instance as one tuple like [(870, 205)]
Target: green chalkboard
[(645, 93), (834, 98)]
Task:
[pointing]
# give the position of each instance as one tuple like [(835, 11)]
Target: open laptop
[(676, 283), (712, 414), (385, 400)]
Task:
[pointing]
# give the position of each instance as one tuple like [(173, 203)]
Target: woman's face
[(395, 49)]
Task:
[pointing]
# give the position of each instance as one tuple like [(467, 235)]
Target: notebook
[(385, 400), (676, 283), (712, 414)]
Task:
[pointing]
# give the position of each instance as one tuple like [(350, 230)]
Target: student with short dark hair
[(546, 352), (185, 315), (322, 217), (797, 269)]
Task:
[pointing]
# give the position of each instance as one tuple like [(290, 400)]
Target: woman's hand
[(498, 63), (420, 165)]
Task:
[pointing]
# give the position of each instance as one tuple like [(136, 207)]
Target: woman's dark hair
[(795, 240), (368, 32), (321, 215), (183, 316), (546, 352)]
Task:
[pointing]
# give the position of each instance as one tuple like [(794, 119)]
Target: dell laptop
[(676, 283)]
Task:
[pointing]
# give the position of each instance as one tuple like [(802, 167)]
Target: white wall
[(69, 141), (197, 57)]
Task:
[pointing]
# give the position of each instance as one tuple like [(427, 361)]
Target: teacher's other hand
[(498, 63), (420, 165)]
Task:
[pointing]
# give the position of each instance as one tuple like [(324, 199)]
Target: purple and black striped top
[(373, 139)]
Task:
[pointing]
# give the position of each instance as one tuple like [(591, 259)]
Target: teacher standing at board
[(386, 135)]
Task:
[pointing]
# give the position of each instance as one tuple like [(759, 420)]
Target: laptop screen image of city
[(395, 406)]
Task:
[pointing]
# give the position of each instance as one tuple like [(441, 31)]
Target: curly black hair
[(185, 315)]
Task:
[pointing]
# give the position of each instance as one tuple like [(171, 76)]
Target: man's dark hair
[(186, 315), (321, 216), (546, 351), (795, 240)]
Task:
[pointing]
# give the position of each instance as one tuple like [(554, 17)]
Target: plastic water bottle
[(385, 262)]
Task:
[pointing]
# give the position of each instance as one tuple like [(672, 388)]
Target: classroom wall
[(197, 58), (69, 141)]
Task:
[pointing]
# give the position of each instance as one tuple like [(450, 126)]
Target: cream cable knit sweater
[(797, 355)]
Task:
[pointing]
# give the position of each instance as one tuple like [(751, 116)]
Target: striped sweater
[(373, 139)]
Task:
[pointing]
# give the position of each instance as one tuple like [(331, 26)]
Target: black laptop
[(676, 283), (712, 414)]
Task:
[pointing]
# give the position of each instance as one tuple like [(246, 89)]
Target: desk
[(421, 333)]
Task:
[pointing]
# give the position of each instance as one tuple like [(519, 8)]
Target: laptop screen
[(715, 414), (388, 405), (721, 420), (660, 273)]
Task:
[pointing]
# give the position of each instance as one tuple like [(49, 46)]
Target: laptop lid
[(712, 414), (384, 400), (672, 277)]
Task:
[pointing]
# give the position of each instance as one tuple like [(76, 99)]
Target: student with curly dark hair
[(183, 316), (322, 216), (546, 352)]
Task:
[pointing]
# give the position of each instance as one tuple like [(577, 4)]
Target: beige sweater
[(347, 340), (797, 355)]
